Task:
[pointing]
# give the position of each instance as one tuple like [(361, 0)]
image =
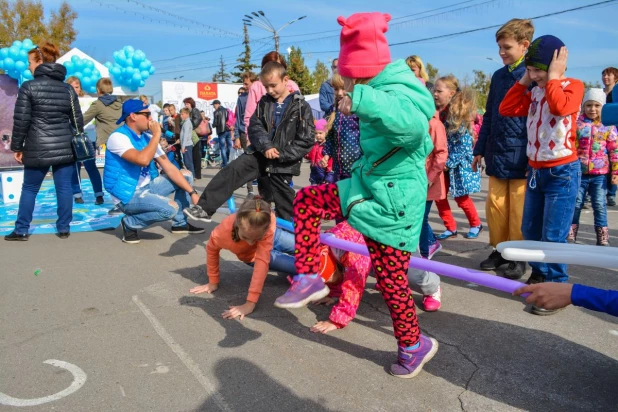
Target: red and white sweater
[(552, 119)]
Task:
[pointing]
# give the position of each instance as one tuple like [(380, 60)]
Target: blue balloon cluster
[(131, 68), (14, 59), (85, 71)]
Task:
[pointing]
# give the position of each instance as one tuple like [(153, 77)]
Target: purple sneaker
[(304, 289), (410, 363)]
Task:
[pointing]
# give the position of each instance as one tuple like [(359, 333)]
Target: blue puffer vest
[(120, 177), (503, 140)]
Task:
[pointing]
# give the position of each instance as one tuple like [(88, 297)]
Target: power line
[(220, 31), (601, 3), (337, 31), (155, 19), (500, 25), (396, 18), (406, 22)]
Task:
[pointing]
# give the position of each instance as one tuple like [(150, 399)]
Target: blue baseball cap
[(131, 106)]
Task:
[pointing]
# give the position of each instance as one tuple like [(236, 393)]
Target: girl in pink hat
[(384, 198), (321, 171)]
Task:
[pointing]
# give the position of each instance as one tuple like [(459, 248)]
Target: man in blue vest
[(132, 178)]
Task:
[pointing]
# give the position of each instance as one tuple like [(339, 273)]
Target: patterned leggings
[(316, 203)]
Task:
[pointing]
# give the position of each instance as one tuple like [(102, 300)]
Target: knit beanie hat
[(363, 49), (596, 95), (321, 125), (541, 51)]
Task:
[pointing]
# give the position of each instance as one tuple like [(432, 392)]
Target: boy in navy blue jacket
[(502, 142)]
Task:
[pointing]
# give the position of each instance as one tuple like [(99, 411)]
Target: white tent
[(118, 91)]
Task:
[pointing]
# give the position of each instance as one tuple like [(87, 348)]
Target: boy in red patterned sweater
[(554, 170)]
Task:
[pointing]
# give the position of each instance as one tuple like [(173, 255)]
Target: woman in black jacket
[(42, 135)]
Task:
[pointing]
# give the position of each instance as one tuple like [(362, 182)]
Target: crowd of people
[(390, 145)]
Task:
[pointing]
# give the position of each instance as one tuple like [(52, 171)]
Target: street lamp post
[(259, 19)]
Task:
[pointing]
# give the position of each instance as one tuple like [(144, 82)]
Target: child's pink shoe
[(431, 303)]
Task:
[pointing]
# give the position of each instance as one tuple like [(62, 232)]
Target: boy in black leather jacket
[(282, 132)]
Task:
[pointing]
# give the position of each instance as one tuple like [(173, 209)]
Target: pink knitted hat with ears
[(321, 125), (363, 49)]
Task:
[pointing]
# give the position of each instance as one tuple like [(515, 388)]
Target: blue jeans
[(225, 145), (427, 237), (282, 253), (548, 211), (187, 158), (33, 178), (93, 174), (611, 189), (596, 185), (150, 204)]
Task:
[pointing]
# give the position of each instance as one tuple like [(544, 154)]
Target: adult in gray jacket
[(43, 126)]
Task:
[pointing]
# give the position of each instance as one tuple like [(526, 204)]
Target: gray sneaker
[(196, 212)]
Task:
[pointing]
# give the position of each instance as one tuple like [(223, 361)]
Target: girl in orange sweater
[(554, 170), (252, 235)]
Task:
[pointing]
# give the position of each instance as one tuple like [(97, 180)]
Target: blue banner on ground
[(87, 217)]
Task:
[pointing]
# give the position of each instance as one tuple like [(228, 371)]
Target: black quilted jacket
[(43, 122), (503, 140)]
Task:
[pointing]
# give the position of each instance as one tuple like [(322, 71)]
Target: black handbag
[(83, 149)]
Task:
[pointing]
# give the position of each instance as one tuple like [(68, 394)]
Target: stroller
[(213, 154)]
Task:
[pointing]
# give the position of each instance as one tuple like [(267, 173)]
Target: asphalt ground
[(120, 332)]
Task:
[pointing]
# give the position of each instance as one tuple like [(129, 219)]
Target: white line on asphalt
[(182, 355), (79, 378)]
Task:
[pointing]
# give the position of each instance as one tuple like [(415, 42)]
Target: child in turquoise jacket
[(384, 199)]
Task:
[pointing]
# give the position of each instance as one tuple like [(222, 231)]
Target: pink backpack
[(231, 119)]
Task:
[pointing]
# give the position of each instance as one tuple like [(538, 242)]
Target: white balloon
[(549, 252)]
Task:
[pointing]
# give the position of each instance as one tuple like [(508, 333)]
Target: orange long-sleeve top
[(258, 254), (552, 119)]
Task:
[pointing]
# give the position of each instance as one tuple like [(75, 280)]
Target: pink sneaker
[(433, 249), (432, 303)]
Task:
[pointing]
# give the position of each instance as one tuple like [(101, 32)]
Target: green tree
[(481, 84), (320, 75), (60, 28), (432, 72), (590, 85), (244, 61), (221, 76), (298, 71), (26, 19)]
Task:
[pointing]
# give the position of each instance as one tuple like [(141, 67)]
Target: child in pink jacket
[(349, 275)]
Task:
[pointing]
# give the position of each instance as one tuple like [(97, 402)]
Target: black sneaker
[(64, 235), (535, 278), (543, 312), (115, 211), (611, 201), (196, 212), (494, 261), (99, 200), (14, 237), (79, 201), (129, 235), (187, 229), (516, 270)]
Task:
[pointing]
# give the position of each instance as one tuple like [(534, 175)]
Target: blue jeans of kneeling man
[(548, 211), (151, 204)]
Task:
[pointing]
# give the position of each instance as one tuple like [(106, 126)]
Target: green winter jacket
[(384, 199)]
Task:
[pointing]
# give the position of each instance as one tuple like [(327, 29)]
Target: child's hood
[(397, 77)]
